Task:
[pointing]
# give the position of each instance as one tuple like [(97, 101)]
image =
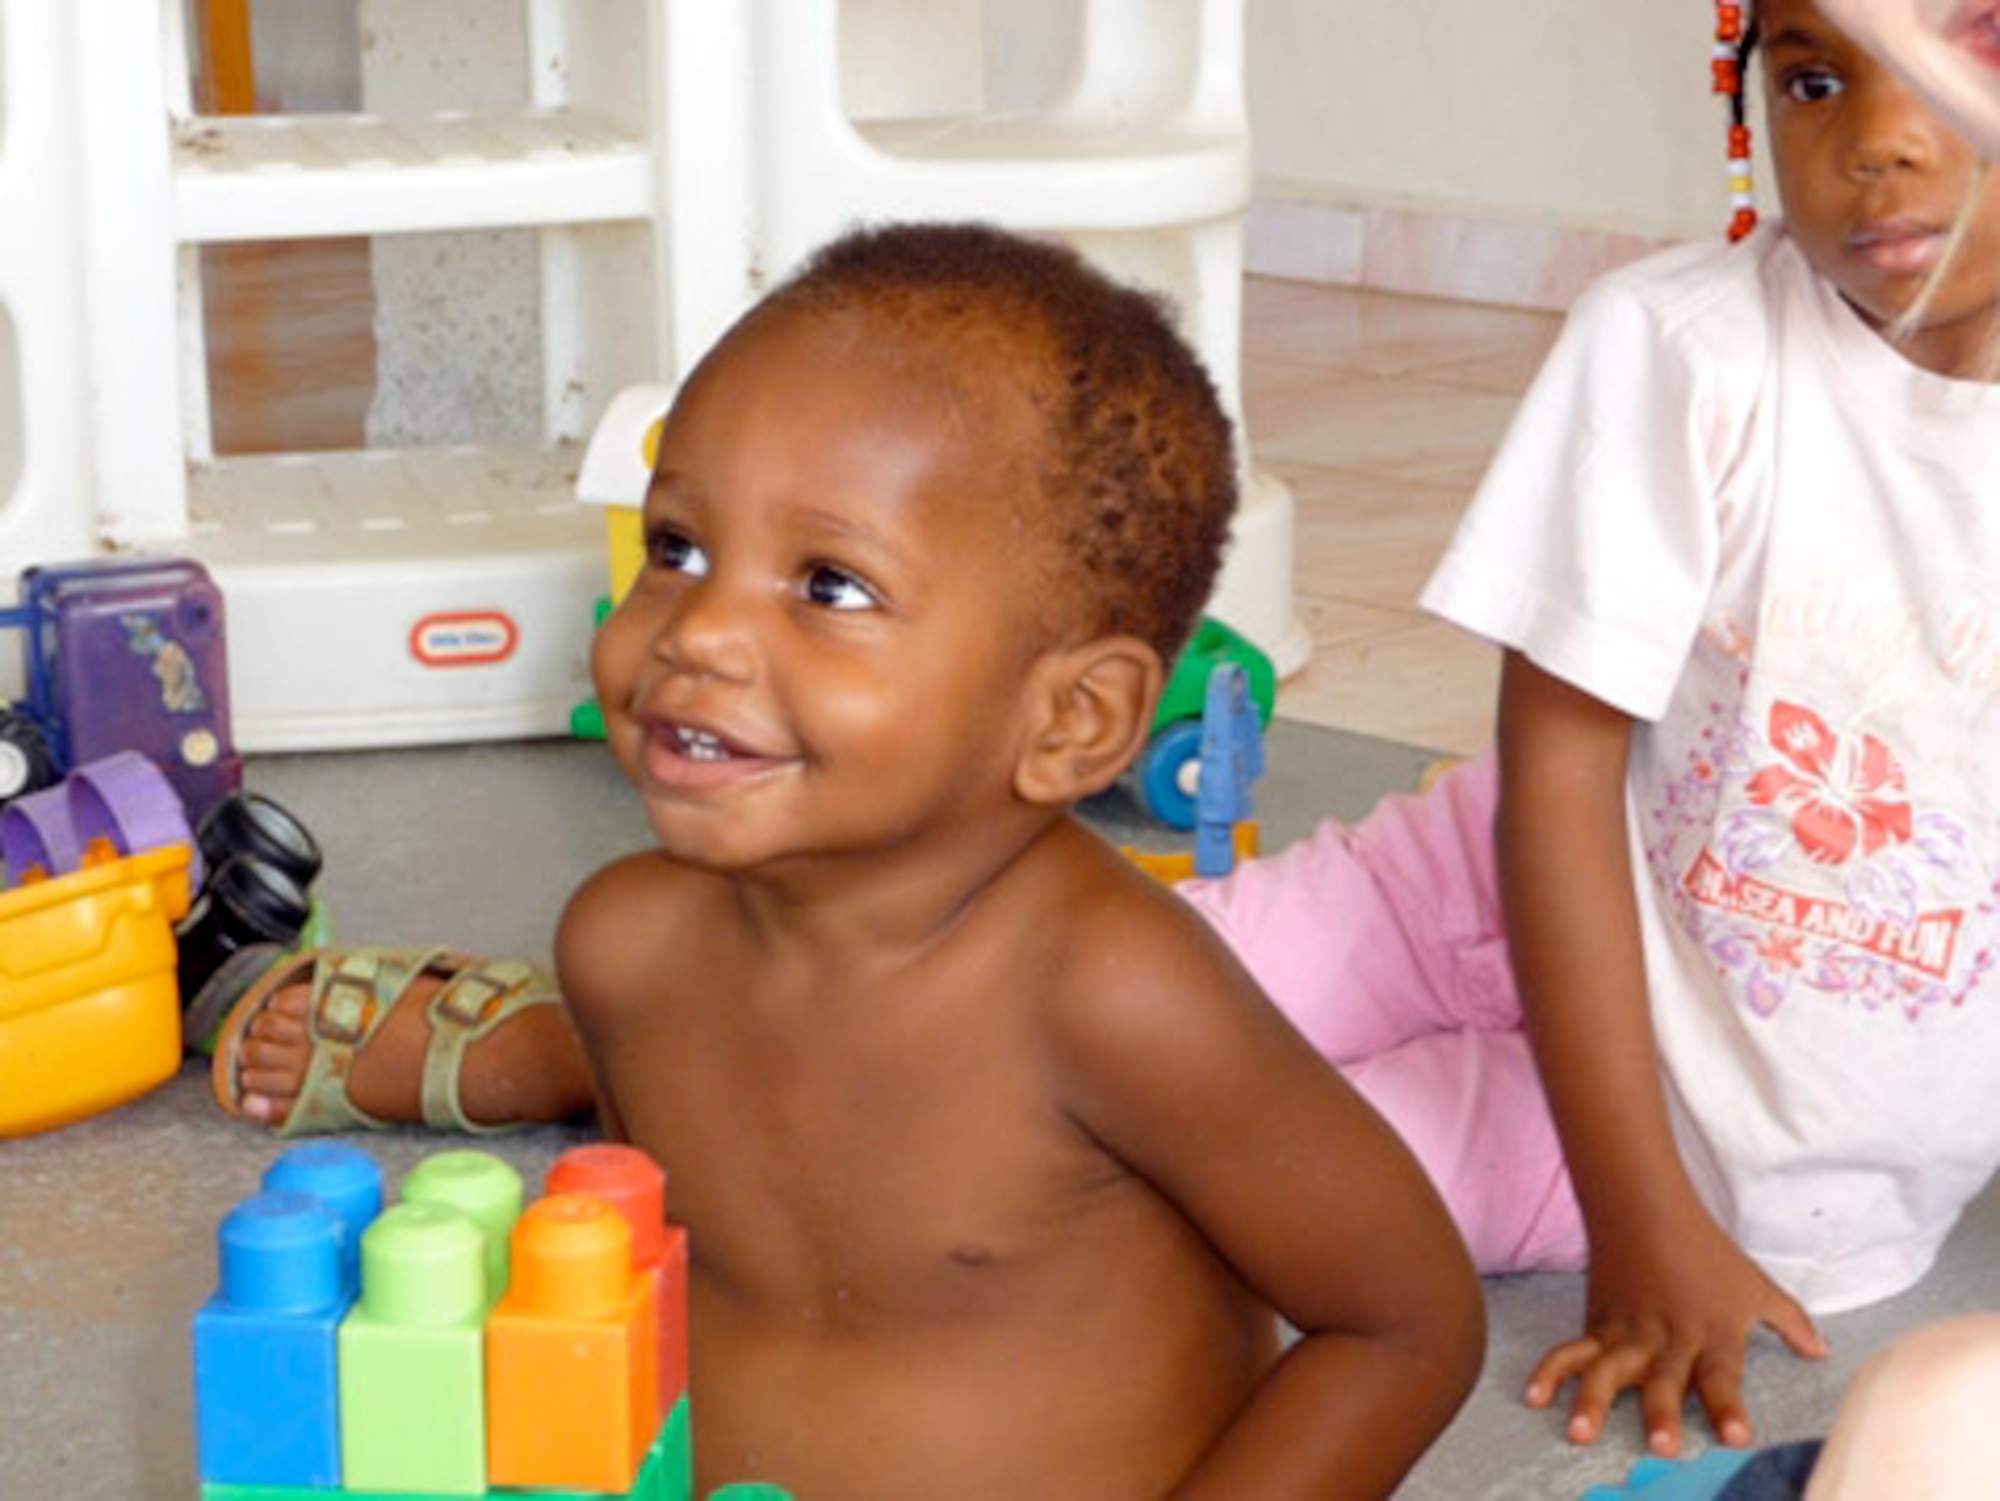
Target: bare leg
[(529, 1069)]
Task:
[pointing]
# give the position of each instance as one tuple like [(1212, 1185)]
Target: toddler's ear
[(1091, 709)]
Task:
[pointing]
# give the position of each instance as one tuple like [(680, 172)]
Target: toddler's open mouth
[(700, 745), (695, 758)]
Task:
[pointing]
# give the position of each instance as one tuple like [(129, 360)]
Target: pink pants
[(1384, 945)]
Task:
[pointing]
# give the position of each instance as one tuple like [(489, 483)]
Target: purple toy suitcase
[(129, 654)]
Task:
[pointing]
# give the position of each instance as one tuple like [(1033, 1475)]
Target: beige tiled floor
[(1381, 413)]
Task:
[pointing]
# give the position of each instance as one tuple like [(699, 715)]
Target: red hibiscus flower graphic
[(1842, 793)]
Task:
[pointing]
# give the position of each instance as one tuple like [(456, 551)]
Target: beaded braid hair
[(1735, 35)]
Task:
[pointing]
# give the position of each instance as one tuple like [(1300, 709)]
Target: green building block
[(668, 1475), (487, 1188), (669, 1470), (413, 1358)]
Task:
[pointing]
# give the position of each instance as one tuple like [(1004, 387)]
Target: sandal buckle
[(346, 1008), (471, 999)]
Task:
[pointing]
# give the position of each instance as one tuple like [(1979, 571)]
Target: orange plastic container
[(90, 1012)]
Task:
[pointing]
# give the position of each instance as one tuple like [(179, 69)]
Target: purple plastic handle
[(38, 835), (128, 800)]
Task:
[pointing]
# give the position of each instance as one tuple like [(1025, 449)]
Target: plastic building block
[(750, 1490), (1698, 1479), (486, 1188), (627, 1178), (668, 1475), (266, 1408), (90, 1015), (669, 1472), (412, 1357), (572, 1359), (346, 1180), (409, 1368), (1232, 761)]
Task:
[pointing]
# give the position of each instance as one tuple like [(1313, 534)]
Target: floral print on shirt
[(1815, 874)]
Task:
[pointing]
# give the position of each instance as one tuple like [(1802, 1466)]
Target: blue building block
[(345, 1179), (265, 1382), (1698, 1479), (1232, 760)]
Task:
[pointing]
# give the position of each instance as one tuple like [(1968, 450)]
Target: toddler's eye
[(836, 589), (1812, 85), (673, 552)]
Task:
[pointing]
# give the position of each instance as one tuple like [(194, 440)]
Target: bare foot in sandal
[(524, 1067)]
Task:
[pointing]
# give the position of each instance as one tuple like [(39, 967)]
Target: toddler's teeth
[(699, 745)]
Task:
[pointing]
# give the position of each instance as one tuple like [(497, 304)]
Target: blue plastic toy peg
[(1232, 759)]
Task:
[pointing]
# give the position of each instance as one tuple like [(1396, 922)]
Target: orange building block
[(572, 1358)]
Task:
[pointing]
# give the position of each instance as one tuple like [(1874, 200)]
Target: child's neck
[(855, 912), (1966, 349)]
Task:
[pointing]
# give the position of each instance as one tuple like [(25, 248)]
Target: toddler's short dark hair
[(1138, 467)]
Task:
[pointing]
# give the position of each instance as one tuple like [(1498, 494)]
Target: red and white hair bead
[(1732, 32)]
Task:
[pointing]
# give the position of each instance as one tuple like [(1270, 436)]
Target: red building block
[(626, 1177)]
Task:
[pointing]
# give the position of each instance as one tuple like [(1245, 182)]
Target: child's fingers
[(1568, 1359), (1620, 1368), (1718, 1382), (1662, 1397), (1796, 1328)]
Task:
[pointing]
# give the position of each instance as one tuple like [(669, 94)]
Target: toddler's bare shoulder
[(1131, 951), (632, 915)]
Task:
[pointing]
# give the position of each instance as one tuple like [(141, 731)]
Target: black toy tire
[(26, 763)]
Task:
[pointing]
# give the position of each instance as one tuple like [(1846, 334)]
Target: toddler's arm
[(1672, 1299), (1190, 1078)]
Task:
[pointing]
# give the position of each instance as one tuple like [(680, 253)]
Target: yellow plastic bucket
[(90, 1013)]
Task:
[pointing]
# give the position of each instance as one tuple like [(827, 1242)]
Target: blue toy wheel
[(1170, 774)]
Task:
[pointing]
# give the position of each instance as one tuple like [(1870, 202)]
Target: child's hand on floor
[(1670, 1311)]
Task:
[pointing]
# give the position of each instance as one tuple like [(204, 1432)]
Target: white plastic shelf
[(267, 507), (275, 177), (1070, 174), (401, 597)]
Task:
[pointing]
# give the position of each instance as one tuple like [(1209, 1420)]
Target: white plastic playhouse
[(665, 159)]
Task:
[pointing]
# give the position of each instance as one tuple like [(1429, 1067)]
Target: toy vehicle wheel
[(26, 764), (1170, 774)]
